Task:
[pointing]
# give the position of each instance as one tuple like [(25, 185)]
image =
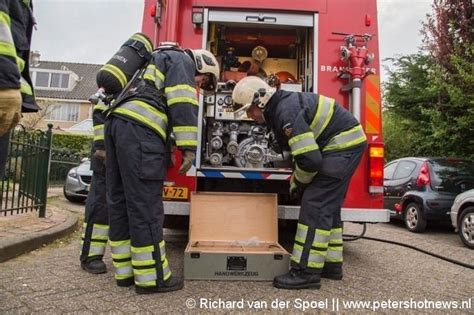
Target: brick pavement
[(49, 280), (20, 233)]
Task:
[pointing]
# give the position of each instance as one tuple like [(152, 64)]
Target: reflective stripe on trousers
[(98, 239), (335, 247), (144, 265), (317, 251), (122, 259)]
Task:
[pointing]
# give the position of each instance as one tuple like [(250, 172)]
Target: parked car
[(78, 181), (462, 217), (419, 190)]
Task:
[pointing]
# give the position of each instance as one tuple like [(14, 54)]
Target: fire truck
[(320, 46)]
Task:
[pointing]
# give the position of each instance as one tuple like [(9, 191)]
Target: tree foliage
[(430, 94)]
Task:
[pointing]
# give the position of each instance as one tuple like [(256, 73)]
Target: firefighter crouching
[(96, 220), (327, 143), (136, 134)]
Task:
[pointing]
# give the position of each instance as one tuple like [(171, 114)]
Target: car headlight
[(72, 173)]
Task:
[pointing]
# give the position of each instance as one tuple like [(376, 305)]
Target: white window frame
[(61, 104), (72, 79)]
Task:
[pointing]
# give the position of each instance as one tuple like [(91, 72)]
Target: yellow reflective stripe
[(321, 238), (121, 264), (119, 243), (117, 73), (144, 40), (323, 115), (98, 132), (303, 143), (301, 232), (120, 249), (303, 176), (185, 135), (146, 114), (100, 107), (149, 262), (5, 19), (144, 249), (181, 93), (21, 63), (323, 232), (182, 100), (297, 252), (334, 254), (185, 87), (155, 75), (316, 258), (7, 49), (25, 87), (346, 139), (166, 270)]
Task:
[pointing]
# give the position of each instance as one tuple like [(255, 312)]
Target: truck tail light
[(376, 160), (424, 176)]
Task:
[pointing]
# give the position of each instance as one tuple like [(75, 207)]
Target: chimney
[(34, 58)]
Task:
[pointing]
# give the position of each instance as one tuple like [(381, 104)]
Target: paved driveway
[(385, 276)]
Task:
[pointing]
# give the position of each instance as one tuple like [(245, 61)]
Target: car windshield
[(452, 175)]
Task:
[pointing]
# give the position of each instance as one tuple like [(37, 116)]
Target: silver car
[(78, 181), (462, 217)]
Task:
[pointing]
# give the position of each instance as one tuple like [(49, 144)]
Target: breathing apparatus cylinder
[(132, 56)]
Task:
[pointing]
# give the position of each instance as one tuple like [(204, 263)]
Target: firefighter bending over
[(327, 143), (136, 135)]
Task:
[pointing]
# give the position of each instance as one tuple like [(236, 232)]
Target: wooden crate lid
[(229, 217)]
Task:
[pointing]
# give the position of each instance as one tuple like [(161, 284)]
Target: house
[(62, 91)]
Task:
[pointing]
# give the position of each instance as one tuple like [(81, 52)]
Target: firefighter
[(16, 92), (137, 131), (327, 143), (96, 220)]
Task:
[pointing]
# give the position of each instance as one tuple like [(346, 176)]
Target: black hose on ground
[(361, 236)]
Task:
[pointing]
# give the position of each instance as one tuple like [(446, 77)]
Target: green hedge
[(74, 143)]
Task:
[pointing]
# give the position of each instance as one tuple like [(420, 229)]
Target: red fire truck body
[(279, 36)]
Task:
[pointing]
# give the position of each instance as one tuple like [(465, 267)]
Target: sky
[(91, 31)]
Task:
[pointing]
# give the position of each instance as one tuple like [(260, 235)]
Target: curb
[(27, 243)]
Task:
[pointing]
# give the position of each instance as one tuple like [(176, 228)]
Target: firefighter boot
[(332, 270), (126, 282), (172, 284), (94, 266), (298, 279)]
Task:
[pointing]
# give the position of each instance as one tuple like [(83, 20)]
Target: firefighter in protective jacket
[(96, 220), (136, 135), (326, 143), (16, 92)]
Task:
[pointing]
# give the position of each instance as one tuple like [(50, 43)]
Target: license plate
[(171, 192)]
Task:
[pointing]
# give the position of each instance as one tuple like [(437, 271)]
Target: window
[(404, 169), (51, 79), (389, 170), (452, 175), (42, 79), (63, 112)]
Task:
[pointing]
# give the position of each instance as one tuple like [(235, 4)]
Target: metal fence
[(25, 184), (31, 167), (62, 160)]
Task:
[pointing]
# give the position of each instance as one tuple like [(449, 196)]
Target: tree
[(448, 37), (408, 95)]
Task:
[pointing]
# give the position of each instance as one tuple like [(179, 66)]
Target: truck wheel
[(413, 218), (466, 227)]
